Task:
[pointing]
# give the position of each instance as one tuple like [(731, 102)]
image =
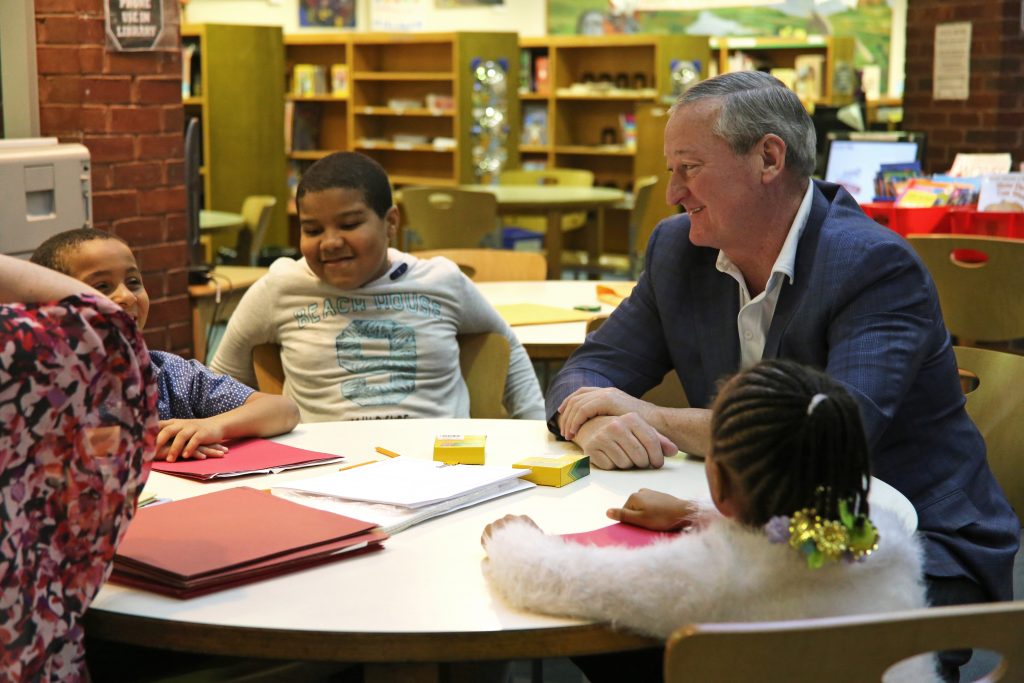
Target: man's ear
[(772, 153)]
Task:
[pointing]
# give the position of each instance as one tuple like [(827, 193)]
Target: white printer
[(45, 188)]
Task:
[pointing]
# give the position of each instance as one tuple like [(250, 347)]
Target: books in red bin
[(620, 534), (220, 540), (248, 456)]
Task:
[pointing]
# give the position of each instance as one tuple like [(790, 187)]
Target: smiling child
[(367, 332)]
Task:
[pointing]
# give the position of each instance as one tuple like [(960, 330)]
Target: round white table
[(423, 598), (553, 341)]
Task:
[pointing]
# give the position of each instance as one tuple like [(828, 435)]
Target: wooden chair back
[(257, 210), (668, 394), (640, 232), (992, 381), (483, 360), (854, 649), (445, 218), (494, 265), (573, 177), (980, 280)]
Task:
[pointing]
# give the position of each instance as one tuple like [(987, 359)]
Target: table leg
[(553, 244)]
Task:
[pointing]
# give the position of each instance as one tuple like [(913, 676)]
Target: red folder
[(224, 539), (247, 456), (619, 534)]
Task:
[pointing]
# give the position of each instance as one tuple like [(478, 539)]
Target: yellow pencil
[(384, 451), (358, 464)]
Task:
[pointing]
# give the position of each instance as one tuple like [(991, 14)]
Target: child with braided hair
[(788, 537)]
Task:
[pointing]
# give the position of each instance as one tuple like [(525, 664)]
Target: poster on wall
[(399, 15), (951, 75), (140, 25), (869, 22), (330, 13)]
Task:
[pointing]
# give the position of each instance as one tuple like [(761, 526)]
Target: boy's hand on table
[(185, 439), (656, 511)]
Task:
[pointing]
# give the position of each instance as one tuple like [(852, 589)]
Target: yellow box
[(555, 471), (456, 449)]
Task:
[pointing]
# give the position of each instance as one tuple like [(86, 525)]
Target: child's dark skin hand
[(656, 511), (499, 523)]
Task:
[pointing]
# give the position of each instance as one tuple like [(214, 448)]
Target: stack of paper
[(219, 540), (249, 456), (397, 493)]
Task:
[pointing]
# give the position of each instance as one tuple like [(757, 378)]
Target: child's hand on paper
[(185, 439), (656, 511), (499, 523)]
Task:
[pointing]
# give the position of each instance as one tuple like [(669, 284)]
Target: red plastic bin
[(906, 221), (991, 223)]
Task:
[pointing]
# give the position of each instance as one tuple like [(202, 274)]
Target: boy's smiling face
[(108, 266), (343, 240)]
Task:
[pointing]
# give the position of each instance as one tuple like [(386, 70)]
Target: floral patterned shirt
[(78, 422)]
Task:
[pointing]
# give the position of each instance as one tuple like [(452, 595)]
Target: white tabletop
[(427, 580), (555, 339)]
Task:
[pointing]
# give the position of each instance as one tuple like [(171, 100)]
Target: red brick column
[(992, 119), (126, 108)]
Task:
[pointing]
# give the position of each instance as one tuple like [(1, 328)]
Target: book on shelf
[(339, 80), (187, 51), (541, 75), (525, 71), (535, 123), (786, 75), (627, 125), (810, 77), (309, 80), (306, 126)]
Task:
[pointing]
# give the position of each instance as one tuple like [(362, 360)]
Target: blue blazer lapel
[(792, 295)]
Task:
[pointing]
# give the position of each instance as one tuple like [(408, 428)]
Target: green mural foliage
[(868, 21)]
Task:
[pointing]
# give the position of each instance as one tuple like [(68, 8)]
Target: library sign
[(136, 24)]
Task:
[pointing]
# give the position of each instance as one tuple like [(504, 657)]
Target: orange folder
[(219, 540)]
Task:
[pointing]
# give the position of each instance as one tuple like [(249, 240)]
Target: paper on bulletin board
[(399, 15), (952, 72)]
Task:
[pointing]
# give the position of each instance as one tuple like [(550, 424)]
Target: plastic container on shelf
[(906, 221)]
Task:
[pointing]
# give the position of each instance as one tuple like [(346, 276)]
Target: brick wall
[(126, 108), (992, 119)]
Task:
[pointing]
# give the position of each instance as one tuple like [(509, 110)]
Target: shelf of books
[(819, 69), (582, 98), (433, 108), (225, 86)]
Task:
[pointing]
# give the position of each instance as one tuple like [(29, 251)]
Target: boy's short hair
[(349, 170), (53, 253)]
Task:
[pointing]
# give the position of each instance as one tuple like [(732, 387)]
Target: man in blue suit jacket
[(768, 263)]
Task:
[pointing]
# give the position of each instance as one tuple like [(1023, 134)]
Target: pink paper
[(246, 456), (619, 534)]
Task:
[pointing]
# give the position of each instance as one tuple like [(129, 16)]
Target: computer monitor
[(853, 159)]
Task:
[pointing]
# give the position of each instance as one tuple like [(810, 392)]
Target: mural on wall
[(333, 13), (867, 20)]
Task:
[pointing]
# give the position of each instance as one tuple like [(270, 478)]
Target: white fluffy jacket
[(726, 572)]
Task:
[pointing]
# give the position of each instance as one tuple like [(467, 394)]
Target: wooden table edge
[(362, 647)]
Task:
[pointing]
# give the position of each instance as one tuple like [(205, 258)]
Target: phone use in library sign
[(140, 24)]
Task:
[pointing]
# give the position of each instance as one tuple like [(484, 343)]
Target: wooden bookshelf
[(409, 100), (578, 118), (242, 145), (838, 77)]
